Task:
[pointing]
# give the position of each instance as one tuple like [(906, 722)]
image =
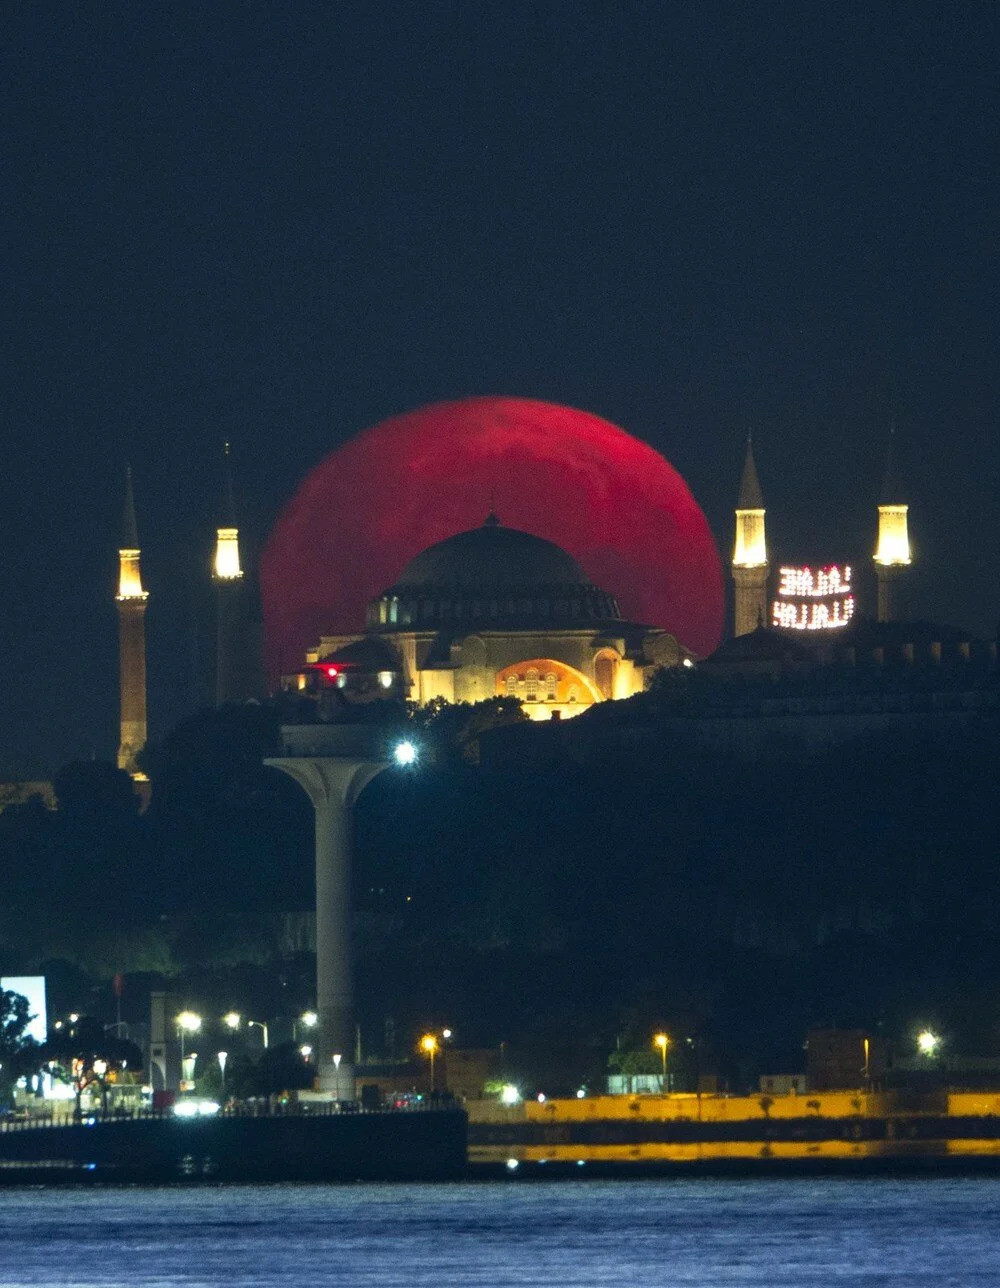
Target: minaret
[(131, 641), (749, 553), (228, 577), (892, 553)]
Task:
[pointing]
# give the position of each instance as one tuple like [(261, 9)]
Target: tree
[(18, 1052), (454, 727), (83, 1053), (95, 792)]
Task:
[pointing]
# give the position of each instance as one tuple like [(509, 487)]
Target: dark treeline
[(562, 909)]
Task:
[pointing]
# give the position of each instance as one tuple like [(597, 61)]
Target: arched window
[(605, 668), (550, 687), (531, 684)]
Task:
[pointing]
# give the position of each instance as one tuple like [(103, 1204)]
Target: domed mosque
[(492, 612)]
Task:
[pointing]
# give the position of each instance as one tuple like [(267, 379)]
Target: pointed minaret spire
[(130, 529), (129, 577), (750, 497), (131, 600), (749, 552), (892, 551), (232, 667), (227, 544)]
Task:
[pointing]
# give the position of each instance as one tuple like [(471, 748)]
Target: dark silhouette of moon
[(369, 507)]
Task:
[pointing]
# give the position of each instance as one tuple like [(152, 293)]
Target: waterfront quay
[(631, 1133), (288, 1143)]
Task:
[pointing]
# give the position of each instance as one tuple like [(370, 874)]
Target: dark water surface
[(576, 1233)]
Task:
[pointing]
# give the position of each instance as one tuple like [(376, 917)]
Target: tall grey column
[(334, 764)]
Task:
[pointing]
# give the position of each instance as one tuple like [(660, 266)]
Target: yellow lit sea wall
[(714, 1109)]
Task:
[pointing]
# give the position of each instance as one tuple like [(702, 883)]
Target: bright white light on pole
[(509, 1094), (927, 1042), (405, 753)]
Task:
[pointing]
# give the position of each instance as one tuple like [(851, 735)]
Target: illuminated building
[(131, 600), (749, 553), (493, 612)]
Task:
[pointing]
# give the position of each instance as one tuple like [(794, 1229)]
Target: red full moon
[(368, 508)]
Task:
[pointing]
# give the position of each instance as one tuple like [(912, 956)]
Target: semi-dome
[(491, 576)]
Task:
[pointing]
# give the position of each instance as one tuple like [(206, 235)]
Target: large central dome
[(415, 479), (492, 576), (496, 557)]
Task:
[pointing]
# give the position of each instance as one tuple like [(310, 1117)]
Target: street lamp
[(661, 1042), (405, 753), (928, 1043), (429, 1046), (308, 1020), (187, 1022), (222, 1057), (259, 1024), (233, 1020), (337, 1057)]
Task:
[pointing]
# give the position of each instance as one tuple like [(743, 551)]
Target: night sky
[(279, 224)]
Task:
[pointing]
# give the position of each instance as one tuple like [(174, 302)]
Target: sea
[(644, 1232)]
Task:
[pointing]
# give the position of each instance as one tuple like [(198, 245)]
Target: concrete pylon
[(333, 764)]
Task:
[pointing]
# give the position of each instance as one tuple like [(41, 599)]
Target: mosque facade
[(498, 612), (492, 612)]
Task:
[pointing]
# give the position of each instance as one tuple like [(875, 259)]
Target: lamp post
[(233, 1020), (100, 1068), (259, 1024), (928, 1043), (187, 1022), (661, 1042), (222, 1057), (429, 1046), (337, 1057), (308, 1020)]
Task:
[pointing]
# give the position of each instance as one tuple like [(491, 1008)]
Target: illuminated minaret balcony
[(227, 555), (129, 576), (893, 548), (131, 600), (749, 553), (750, 550)]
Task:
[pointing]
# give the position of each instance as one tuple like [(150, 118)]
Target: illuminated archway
[(545, 687), (606, 672)]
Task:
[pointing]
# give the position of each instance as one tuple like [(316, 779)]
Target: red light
[(332, 672)]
